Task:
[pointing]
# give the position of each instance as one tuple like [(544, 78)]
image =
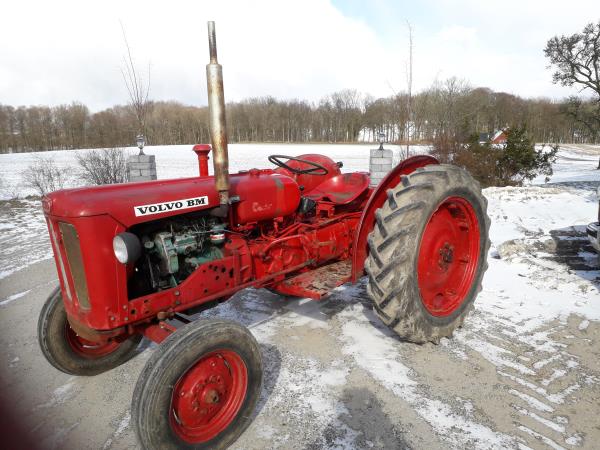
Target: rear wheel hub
[(448, 256)]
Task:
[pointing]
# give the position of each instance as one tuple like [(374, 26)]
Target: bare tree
[(44, 176), (576, 59), (409, 80), (137, 88), (105, 166), (448, 109)]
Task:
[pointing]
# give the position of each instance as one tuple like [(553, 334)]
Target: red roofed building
[(499, 137)]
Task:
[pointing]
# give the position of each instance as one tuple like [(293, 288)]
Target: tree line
[(448, 108)]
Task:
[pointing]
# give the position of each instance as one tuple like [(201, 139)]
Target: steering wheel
[(316, 169)]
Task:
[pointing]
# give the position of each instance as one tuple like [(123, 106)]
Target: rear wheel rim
[(88, 349), (448, 256), (208, 396)]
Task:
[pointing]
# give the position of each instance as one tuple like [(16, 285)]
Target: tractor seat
[(341, 189)]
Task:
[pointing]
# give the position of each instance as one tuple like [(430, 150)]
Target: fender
[(378, 198)]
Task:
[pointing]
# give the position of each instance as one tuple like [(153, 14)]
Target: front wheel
[(199, 388), (428, 252), (72, 354)]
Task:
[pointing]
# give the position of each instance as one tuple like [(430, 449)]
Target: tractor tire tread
[(56, 350), (151, 398), (394, 245)]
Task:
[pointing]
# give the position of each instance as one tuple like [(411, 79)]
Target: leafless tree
[(576, 60), (409, 81), (44, 176), (104, 166), (447, 109), (137, 88)]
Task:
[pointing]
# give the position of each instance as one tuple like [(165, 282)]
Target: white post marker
[(380, 162)]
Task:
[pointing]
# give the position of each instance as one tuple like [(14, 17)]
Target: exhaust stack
[(216, 117)]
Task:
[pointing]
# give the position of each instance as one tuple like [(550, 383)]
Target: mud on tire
[(403, 293), (69, 353)]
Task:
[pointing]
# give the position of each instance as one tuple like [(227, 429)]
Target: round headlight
[(127, 247)]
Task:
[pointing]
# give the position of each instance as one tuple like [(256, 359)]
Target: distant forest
[(449, 108)]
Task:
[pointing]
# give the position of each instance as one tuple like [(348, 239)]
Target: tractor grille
[(70, 241), (59, 258)]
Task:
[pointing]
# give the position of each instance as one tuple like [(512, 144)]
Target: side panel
[(377, 199)]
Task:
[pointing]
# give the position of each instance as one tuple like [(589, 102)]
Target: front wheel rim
[(208, 396), (448, 256), (88, 349)]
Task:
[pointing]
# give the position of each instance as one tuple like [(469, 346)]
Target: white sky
[(57, 51)]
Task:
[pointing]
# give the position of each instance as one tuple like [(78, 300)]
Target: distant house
[(484, 138), (499, 137)]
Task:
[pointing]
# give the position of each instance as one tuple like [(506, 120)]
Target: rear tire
[(71, 354), (199, 389), (428, 253)]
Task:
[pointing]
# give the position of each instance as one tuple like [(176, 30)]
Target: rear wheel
[(428, 253), (72, 354), (199, 388)]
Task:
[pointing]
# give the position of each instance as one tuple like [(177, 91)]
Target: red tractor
[(133, 258)]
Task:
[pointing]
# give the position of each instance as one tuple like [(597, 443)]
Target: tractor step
[(317, 283)]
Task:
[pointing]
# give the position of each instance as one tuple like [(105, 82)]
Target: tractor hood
[(259, 194)]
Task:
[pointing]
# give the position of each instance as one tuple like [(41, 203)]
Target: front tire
[(72, 354), (428, 253), (199, 388)]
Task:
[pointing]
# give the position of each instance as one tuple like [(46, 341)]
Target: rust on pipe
[(216, 116)]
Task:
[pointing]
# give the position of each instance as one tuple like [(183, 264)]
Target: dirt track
[(335, 378), (524, 372)]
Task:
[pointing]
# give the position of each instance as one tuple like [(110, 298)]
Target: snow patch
[(541, 437), (532, 401), (12, 298), (583, 325), (552, 425), (60, 395), (374, 350)]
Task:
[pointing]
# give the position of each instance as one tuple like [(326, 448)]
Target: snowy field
[(177, 161), (524, 371)]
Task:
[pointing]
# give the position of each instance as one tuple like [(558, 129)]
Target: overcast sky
[(55, 51)]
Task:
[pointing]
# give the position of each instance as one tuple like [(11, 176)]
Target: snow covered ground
[(177, 161), (524, 371)]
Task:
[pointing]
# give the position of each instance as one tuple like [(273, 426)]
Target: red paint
[(341, 189), (310, 181), (156, 332), (376, 200), (499, 138), (208, 396), (315, 283), (263, 195), (448, 256), (202, 151), (88, 349)]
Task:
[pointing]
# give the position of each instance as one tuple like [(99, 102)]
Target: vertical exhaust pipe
[(216, 117)]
